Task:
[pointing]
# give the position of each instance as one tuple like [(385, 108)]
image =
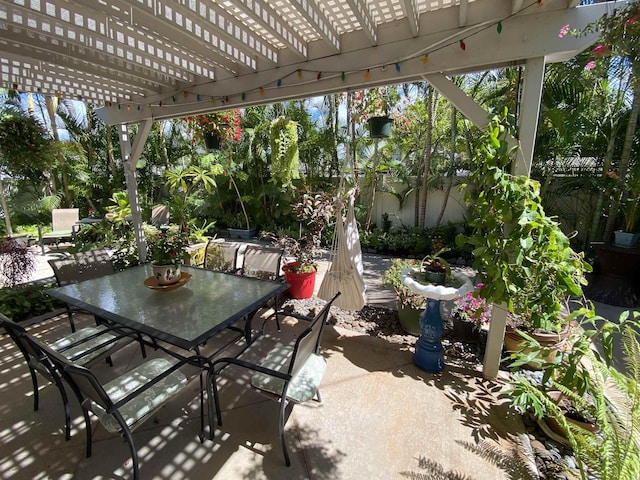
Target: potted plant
[(524, 259), (216, 128), (435, 268), (410, 304), (166, 251), (374, 106), (630, 207), (469, 314)]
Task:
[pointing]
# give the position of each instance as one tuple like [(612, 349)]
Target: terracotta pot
[(555, 342), (557, 427), (166, 274), (301, 284)]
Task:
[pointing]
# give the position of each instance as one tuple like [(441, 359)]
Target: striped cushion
[(303, 386), (148, 400), (85, 346)]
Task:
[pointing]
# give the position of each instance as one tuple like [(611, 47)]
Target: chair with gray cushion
[(83, 347), (262, 262), (125, 402), (289, 374), (64, 224)]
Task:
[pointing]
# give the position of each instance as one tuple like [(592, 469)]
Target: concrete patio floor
[(380, 417)]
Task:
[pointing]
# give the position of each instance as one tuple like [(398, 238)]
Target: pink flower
[(591, 65), (563, 31), (632, 20), (600, 50)]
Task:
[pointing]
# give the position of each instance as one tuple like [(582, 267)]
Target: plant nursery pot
[(553, 341), (409, 319), (301, 284), (434, 277), (212, 142), (241, 233), (625, 239), (166, 274), (465, 331), (380, 127)]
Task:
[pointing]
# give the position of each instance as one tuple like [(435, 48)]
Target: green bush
[(28, 301)]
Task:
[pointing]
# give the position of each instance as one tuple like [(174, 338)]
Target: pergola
[(146, 60)]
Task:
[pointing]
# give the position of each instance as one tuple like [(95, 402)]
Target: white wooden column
[(529, 112), (130, 156)]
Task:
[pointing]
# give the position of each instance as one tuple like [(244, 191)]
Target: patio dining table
[(185, 317)]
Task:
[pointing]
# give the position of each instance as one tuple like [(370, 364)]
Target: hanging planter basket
[(380, 127), (212, 141)]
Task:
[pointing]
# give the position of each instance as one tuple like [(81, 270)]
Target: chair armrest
[(248, 365)]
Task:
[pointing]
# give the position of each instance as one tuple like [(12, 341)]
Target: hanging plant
[(283, 136)]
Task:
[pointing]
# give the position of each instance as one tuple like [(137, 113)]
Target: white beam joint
[(310, 10), (463, 13), (363, 14), (410, 8)]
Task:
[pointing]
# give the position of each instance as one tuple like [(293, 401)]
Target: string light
[(397, 67), (425, 59), (173, 97), (463, 45), (299, 73), (244, 95), (279, 83), (367, 73), (185, 94), (499, 27), (198, 97), (261, 91), (318, 76), (213, 101), (343, 76)]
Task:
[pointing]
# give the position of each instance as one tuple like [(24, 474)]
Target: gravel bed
[(553, 460)]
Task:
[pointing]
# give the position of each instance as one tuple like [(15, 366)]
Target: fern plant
[(614, 451), (284, 152)]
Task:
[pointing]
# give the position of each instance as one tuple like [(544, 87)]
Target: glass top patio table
[(185, 317)]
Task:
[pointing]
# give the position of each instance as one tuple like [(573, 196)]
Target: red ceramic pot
[(301, 284)]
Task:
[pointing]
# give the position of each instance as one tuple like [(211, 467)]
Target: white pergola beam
[(364, 17), (313, 14), (268, 19), (529, 112), (410, 8), (523, 36), (462, 13)]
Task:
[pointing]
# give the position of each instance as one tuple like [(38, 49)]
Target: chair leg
[(134, 455), (201, 436), (70, 317), (36, 392), (67, 409), (283, 406)]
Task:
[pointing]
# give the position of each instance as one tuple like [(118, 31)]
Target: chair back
[(80, 378), (160, 215), (309, 341), (81, 266), (64, 218), (221, 256), (33, 355), (262, 262)]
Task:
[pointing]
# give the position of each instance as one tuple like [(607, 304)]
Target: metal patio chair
[(124, 403), (288, 374), (78, 267), (220, 256), (63, 226), (83, 347)]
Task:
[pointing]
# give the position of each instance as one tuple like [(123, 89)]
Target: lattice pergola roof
[(163, 58)]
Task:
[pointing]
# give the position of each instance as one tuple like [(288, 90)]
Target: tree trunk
[(454, 138), (597, 211), (427, 158), (625, 158), (52, 106), (5, 208)]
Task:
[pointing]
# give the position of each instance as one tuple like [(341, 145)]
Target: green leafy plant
[(283, 136), (521, 254), (166, 246), (27, 301), (404, 295)]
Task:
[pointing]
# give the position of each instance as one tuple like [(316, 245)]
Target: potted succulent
[(410, 304), (524, 259), (166, 251)]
